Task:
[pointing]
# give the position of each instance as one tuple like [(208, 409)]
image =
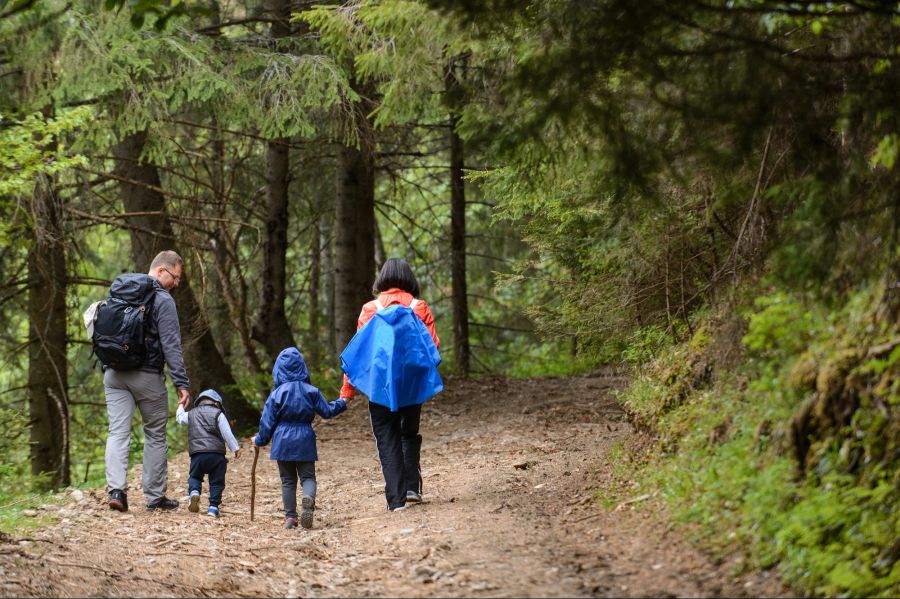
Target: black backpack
[(121, 322)]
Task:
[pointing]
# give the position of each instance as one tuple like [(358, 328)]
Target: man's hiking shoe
[(195, 502), (163, 503), (290, 522), (413, 497), (399, 509), (306, 516), (118, 500), (213, 511)]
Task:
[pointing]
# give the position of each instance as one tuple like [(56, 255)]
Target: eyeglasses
[(173, 275)]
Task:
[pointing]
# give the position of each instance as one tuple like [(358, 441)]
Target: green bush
[(724, 459), (780, 326)]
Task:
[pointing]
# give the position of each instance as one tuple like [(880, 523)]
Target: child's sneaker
[(290, 522), (306, 516), (213, 511), (194, 506)]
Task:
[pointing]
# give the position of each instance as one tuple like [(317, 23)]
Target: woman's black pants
[(399, 445)]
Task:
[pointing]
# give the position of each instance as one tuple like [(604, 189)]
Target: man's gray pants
[(147, 390)]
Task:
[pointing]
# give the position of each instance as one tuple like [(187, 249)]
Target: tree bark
[(380, 254), (48, 401), (461, 348), (354, 246), (272, 329), (314, 353), (328, 261), (232, 283), (151, 232)]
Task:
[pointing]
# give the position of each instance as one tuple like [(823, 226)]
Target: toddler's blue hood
[(289, 366)]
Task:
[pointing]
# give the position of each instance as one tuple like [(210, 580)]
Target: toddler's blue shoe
[(194, 506), (213, 511)]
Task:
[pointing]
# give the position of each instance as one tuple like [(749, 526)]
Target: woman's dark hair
[(396, 273)]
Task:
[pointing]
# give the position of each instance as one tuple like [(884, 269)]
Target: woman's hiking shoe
[(118, 500), (163, 503), (195, 502), (290, 522), (413, 497), (213, 511), (306, 516)]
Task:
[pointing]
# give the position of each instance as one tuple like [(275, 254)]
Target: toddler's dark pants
[(399, 445), (290, 472), (213, 465)]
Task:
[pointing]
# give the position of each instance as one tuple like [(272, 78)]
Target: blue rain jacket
[(290, 409), (393, 359)]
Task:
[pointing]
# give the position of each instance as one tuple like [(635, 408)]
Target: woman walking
[(397, 430)]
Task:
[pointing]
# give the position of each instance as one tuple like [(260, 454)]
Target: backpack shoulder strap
[(413, 303)]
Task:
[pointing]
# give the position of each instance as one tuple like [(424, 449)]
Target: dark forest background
[(701, 194)]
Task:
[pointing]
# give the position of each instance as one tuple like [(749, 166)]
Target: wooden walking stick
[(253, 482)]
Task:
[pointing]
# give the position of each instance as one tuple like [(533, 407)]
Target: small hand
[(253, 439), (237, 454), (184, 398), (347, 400)]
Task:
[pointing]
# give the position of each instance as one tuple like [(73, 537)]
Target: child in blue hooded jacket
[(287, 420)]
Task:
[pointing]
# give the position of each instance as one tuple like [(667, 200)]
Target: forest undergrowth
[(789, 451)]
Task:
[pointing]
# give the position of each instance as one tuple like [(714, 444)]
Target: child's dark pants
[(399, 445), (213, 465), (290, 472)]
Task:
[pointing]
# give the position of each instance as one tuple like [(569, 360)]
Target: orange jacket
[(389, 298)]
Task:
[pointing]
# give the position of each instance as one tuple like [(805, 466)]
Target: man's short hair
[(167, 258)]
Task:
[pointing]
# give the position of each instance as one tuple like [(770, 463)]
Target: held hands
[(184, 398), (347, 400)]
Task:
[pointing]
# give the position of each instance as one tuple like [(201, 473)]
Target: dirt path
[(510, 471)]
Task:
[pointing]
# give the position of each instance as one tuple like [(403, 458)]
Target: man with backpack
[(135, 331)]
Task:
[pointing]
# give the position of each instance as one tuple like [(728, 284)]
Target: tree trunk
[(314, 346), (48, 401), (233, 287), (380, 254), (328, 261), (272, 328), (461, 347), (354, 244), (151, 232)]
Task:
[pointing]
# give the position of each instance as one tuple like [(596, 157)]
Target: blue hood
[(289, 367), (210, 394)]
